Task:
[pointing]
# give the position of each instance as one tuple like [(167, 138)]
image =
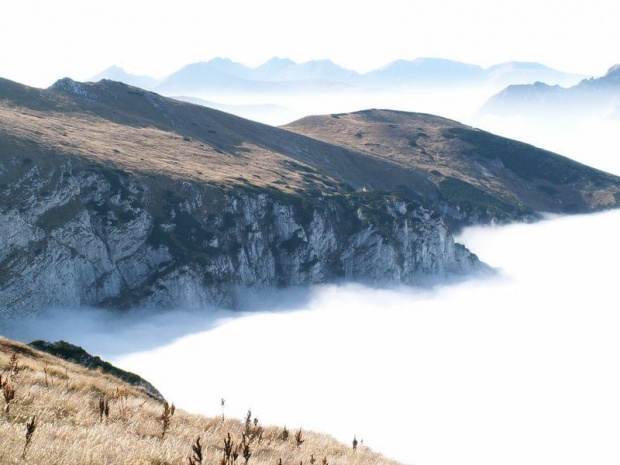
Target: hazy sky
[(44, 40)]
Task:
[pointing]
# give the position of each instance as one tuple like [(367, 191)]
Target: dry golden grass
[(162, 137), (418, 141), (141, 133), (409, 139), (147, 149), (65, 400)]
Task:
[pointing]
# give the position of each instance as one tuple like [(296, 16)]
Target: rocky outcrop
[(84, 234), (77, 354)]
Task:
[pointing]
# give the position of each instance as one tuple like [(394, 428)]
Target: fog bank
[(520, 368)]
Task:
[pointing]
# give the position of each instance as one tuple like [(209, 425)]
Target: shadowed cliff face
[(113, 196)]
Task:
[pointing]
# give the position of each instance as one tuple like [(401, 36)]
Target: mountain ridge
[(117, 197), (590, 97), (285, 75), (443, 150)]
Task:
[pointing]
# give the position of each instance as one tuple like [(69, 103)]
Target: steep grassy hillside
[(471, 169), (140, 131), (64, 399)]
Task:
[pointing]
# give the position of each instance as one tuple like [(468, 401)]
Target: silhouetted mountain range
[(116, 73), (591, 97), (222, 75), (263, 112)]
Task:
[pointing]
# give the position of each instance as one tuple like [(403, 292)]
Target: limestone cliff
[(84, 235)]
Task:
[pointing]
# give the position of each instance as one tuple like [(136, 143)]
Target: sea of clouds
[(523, 367)]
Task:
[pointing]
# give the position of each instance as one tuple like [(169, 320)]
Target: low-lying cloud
[(518, 368)]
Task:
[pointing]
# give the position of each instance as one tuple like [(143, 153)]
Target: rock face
[(92, 236)]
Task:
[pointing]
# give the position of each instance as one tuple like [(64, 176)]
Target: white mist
[(522, 368)]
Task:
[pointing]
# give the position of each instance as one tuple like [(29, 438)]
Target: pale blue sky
[(43, 40)]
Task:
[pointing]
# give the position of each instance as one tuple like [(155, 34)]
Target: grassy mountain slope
[(117, 197), (65, 397), (76, 354), (137, 130), (429, 158), (468, 166)]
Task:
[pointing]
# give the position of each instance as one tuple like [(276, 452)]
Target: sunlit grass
[(61, 413)]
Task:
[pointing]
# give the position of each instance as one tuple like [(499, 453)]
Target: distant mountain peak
[(114, 68), (225, 63), (279, 61), (323, 61), (427, 62), (541, 85), (391, 64), (439, 60), (117, 73), (427, 71), (220, 60), (197, 64), (520, 65), (591, 96), (528, 72), (275, 64), (278, 74), (614, 71)]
